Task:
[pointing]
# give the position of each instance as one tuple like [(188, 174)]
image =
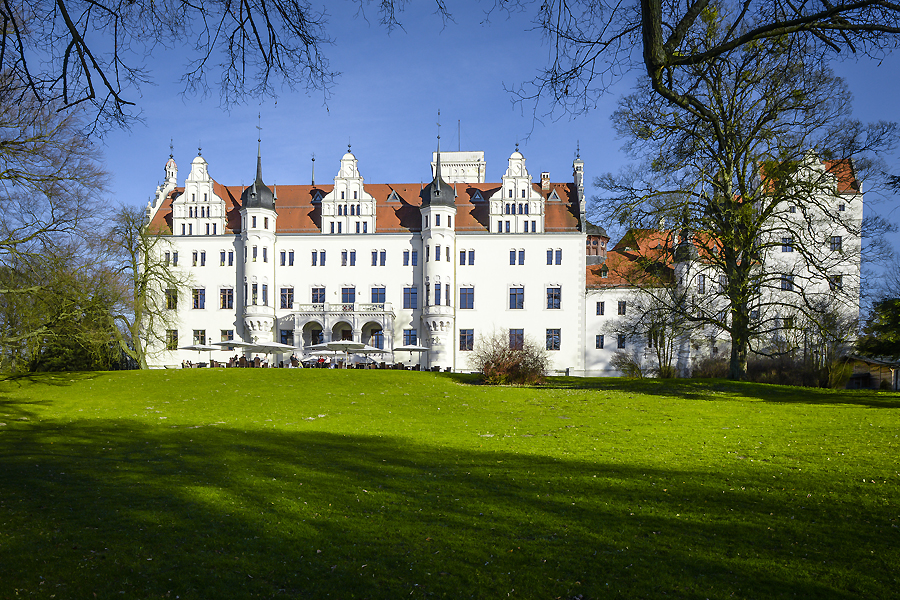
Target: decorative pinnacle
[(199, 149), (171, 148)]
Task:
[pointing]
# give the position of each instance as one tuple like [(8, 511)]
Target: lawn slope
[(382, 484)]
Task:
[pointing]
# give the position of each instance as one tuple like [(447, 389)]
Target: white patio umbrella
[(233, 343), (201, 348), (412, 348)]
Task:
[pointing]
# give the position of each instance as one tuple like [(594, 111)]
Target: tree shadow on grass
[(713, 389), (111, 507)]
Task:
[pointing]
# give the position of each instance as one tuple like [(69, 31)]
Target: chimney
[(545, 181)]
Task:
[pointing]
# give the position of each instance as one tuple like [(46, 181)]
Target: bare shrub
[(711, 368), (628, 364), (500, 364)]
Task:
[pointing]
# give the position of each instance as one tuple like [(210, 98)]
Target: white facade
[(438, 265), (383, 264)]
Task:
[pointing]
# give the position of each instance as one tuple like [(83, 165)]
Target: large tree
[(49, 183), (147, 283), (748, 170)]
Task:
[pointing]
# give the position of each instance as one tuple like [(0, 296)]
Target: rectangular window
[(836, 243), (534, 227), (427, 294), (174, 259), (411, 298), (437, 220), (466, 339), (287, 297), (315, 258), (467, 298), (318, 295), (553, 339), (283, 256), (322, 258), (462, 257), (199, 298), (601, 308), (168, 258), (841, 208), (265, 254), (254, 299), (343, 258), (291, 258), (171, 299), (559, 256), (437, 252), (447, 294), (376, 340), (437, 293), (231, 258), (225, 336), (471, 257), (265, 294), (406, 258), (516, 339), (194, 259), (599, 341), (836, 282), (353, 258), (287, 336), (265, 222), (517, 298), (410, 338), (499, 227), (365, 227), (701, 284), (554, 298), (203, 259), (512, 257), (253, 221), (383, 257), (787, 283), (332, 226), (254, 253), (623, 305), (621, 341), (549, 257), (521, 257), (348, 295), (415, 258), (507, 227), (787, 244), (226, 298), (222, 258), (171, 339), (427, 253), (377, 295), (357, 227), (447, 257)]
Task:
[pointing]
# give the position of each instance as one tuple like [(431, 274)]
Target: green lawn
[(210, 484)]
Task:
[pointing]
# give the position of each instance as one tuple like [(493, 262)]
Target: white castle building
[(437, 265)]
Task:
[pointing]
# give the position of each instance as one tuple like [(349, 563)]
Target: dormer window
[(604, 272), (477, 197)]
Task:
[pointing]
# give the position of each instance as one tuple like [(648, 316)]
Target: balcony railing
[(344, 307)]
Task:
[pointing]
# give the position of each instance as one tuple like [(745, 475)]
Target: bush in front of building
[(502, 361)]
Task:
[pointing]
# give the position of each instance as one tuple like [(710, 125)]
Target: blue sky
[(385, 105)]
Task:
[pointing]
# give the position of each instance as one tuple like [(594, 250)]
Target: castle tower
[(439, 241), (257, 278)]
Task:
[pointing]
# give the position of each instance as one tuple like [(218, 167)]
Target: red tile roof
[(298, 214)]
